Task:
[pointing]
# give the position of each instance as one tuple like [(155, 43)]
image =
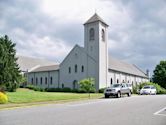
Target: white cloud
[(45, 47), (40, 28)]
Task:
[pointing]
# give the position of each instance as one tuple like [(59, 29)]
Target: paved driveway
[(135, 110)]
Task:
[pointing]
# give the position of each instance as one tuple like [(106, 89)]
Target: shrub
[(75, 90), (66, 89), (3, 98), (101, 90), (136, 89), (53, 89), (87, 85), (30, 87), (35, 88)]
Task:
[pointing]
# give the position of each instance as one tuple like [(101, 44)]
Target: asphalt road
[(135, 110)]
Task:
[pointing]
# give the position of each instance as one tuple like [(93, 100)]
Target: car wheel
[(106, 96), (118, 95), (129, 94)]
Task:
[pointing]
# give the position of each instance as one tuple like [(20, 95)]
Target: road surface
[(135, 110)]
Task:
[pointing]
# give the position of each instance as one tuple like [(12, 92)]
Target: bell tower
[(96, 47)]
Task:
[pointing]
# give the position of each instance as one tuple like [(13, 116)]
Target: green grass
[(30, 96)]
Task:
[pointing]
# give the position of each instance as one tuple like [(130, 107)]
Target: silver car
[(117, 90)]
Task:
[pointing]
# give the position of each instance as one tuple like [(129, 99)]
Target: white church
[(90, 61)]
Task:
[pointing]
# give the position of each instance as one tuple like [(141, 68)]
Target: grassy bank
[(29, 96)]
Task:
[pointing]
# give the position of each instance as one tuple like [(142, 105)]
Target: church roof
[(28, 63), (118, 65), (95, 18), (46, 68)]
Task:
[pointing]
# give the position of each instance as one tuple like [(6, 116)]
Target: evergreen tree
[(9, 70), (160, 74)]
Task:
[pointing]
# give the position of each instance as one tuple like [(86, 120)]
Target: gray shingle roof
[(28, 63), (95, 18), (117, 65), (46, 68)]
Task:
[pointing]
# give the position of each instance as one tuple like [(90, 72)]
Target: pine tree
[(9, 69)]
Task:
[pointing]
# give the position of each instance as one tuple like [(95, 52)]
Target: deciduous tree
[(160, 74)]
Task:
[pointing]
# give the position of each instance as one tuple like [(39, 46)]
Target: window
[(82, 69), (111, 81), (32, 80), (123, 81), (117, 81), (69, 69), (75, 68), (41, 80), (91, 34), (45, 80), (62, 85), (36, 81), (103, 35), (51, 80), (74, 84)]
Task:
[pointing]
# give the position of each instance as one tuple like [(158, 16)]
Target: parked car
[(129, 85), (117, 90), (148, 90)]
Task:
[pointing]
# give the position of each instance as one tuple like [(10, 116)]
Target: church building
[(90, 61)]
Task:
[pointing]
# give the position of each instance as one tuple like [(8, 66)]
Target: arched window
[(91, 34), (117, 81), (62, 85), (51, 80), (69, 69), (45, 80), (103, 35), (41, 80), (75, 68), (111, 81), (36, 81), (82, 69), (74, 84), (32, 80)]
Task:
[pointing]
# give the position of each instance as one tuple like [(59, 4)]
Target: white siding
[(44, 75)]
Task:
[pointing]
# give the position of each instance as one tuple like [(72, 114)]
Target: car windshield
[(115, 85), (146, 87)]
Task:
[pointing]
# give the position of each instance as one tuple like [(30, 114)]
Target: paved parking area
[(135, 110)]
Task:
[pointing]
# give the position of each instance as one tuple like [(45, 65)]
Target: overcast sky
[(50, 28)]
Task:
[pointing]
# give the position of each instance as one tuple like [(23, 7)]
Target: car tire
[(106, 96), (129, 94), (150, 93), (118, 95)]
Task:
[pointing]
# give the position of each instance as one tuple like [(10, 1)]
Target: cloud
[(137, 30)]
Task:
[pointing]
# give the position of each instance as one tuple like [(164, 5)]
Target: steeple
[(96, 47), (95, 18)]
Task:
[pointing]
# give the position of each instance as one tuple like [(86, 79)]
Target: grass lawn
[(30, 96)]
